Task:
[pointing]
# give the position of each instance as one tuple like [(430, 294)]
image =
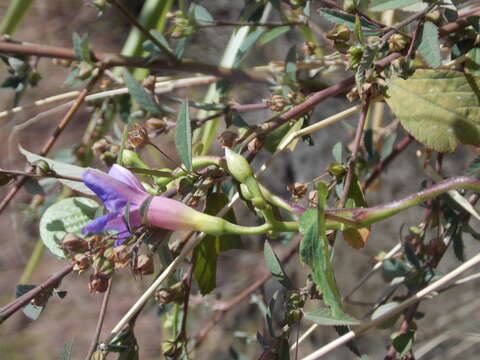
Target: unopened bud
[(156, 123), (238, 166), (397, 42), (74, 244), (144, 265), (43, 168), (337, 170), (339, 33), (103, 265)]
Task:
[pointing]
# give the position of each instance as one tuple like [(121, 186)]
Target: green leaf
[(314, 252), (200, 15), (276, 267), (474, 166), (61, 169), (151, 47), (382, 309), (403, 342), (381, 5), (291, 65), (206, 253), (273, 34), (393, 268), (326, 318), (340, 17), (144, 99), (66, 216), (275, 137), (439, 108), (429, 47), (81, 47), (30, 310), (183, 136), (472, 63)]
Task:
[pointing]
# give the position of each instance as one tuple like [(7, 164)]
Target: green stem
[(367, 216), (15, 13), (32, 262)]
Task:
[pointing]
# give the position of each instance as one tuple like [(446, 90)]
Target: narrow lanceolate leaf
[(275, 266), (61, 169), (429, 47), (340, 17), (324, 317), (273, 34), (441, 109), (144, 99), (381, 5), (66, 216), (315, 252), (183, 136)]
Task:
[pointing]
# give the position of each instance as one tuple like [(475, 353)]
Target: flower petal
[(114, 193), (98, 225), (124, 175), (170, 214)]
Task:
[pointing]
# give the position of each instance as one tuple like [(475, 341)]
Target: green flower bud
[(238, 166)]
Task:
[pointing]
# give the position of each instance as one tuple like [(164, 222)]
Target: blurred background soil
[(452, 318)]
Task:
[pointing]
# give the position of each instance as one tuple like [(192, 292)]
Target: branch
[(53, 138), (107, 60), (23, 300)]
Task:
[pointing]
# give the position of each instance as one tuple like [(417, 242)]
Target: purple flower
[(121, 189)]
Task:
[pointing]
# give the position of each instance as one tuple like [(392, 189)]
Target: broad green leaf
[(472, 63), (381, 5), (81, 47), (273, 34), (144, 99), (183, 136), (275, 137), (61, 169), (276, 267), (439, 108), (326, 318), (403, 342), (393, 268), (429, 47), (382, 309), (66, 216), (200, 15), (206, 253), (340, 17), (314, 252)]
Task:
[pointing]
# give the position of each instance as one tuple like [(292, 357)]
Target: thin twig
[(35, 175), (420, 295), (101, 317), (356, 146), (125, 12), (23, 300), (54, 137), (378, 169)]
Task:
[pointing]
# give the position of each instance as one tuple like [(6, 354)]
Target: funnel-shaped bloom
[(120, 190)]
